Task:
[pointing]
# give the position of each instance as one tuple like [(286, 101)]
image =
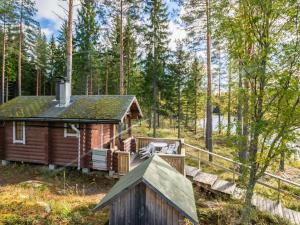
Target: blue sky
[(51, 12)]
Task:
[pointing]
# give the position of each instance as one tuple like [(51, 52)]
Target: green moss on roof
[(93, 107), (98, 107), (25, 106)]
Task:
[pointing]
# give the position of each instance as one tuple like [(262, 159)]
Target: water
[(215, 123)]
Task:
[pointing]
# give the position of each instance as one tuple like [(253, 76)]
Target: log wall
[(36, 148), (2, 135), (64, 150)]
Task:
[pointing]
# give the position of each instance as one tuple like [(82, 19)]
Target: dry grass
[(28, 192)]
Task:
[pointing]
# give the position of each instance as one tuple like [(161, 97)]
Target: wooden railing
[(235, 170), (175, 160)]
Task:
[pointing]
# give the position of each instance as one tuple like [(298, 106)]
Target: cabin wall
[(46, 144), (63, 150), (139, 206), (36, 148), (2, 135)]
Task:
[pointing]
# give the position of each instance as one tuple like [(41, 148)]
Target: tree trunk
[(219, 92), (37, 83), (208, 136), (106, 79), (282, 162), (121, 50), (3, 65), (246, 212), (6, 96), (178, 110), (20, 51), (69, 42), (154, 69), (229, 102), (239, 126)]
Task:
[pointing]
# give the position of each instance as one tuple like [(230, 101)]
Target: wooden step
[(191, 171), (267, 205), (291, 215), (205, 179), (223, 186)]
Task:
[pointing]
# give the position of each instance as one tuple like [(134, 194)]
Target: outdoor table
[(158, 145)]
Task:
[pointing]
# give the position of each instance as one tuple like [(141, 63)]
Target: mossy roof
[(82, 108), (162, 178)]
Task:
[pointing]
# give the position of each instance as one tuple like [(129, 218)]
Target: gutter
[(78, 136)]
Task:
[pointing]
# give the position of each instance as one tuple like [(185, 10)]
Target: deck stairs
[(214, 184)]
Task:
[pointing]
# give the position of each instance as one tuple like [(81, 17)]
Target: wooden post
[(129, 129), (112, 136), (233, 173), (199, 161), (278, 189)]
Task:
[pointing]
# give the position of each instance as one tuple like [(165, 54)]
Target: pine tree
[(156, 36), (86, 40), (25, 14), (7, 19), (41, 61)]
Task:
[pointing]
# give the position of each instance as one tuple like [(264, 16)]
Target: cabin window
[(69, 132), (19, 132)]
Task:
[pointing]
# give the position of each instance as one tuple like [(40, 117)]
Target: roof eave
[(67, 120)]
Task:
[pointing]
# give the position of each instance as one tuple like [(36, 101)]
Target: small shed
[(152, 193)]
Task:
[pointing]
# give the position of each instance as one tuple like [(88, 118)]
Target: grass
[(33, 195), (27, 190)]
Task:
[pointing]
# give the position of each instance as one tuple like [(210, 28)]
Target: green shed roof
[(162, 178), (82, 108)]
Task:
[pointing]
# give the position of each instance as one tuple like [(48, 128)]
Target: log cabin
[(152, 193), (65, 130)]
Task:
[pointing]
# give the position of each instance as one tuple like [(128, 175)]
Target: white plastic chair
[(147, 152)]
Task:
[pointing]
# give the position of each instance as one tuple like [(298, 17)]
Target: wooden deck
[(212, 183)]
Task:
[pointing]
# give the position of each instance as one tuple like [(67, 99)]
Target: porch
[(129, 156)]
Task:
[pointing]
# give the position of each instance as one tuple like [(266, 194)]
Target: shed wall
[(142, 206)]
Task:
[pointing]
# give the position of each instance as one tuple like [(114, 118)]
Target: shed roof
[(162, 178), (91, 108)]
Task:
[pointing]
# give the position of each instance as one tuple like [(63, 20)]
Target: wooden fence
[(123, 162), (177, 161)]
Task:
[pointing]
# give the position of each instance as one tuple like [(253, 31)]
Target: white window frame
[(66, 134), (15, 141)]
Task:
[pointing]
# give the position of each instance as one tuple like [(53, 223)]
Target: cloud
[(50, 14), (177, 34), (48, 32)]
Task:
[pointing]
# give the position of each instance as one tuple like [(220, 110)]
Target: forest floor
[(30, 194)]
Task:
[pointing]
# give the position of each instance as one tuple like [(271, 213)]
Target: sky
[(51, 12)]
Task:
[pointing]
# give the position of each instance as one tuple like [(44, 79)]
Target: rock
[(23, 197), (45, 205)]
